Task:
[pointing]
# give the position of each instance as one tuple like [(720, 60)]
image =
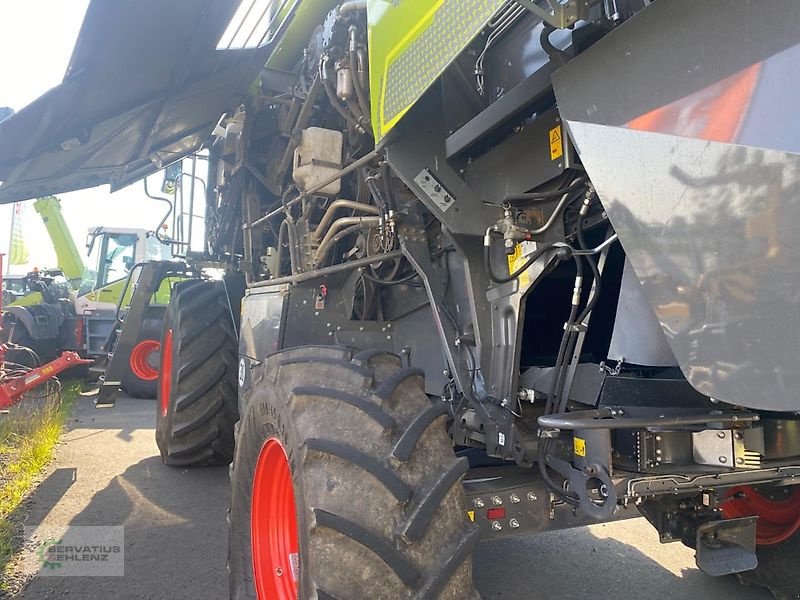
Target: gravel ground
[(108, 472)]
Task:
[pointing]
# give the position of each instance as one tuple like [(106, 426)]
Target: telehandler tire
[(197, 392), (141, 378), (345, 485)]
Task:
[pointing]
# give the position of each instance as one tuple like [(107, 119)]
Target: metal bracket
[(562, 13), (578, 481), (123, 338), (727, 546)]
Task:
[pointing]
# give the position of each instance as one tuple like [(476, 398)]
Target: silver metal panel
[(638, 337), (696, 158), (428, 183), (719, 263)]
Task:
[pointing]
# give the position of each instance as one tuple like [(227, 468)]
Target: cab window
[(117, 257)]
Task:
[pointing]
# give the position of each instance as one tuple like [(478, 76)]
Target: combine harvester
[(492, 267)]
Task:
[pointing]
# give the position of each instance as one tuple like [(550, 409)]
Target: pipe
[(549, 195), (322, 253), (342, 223), (356, 71), (556, 212), (294, 258), (598, 419), (597, 249), (327, 181), (333, 270), (337, 204)]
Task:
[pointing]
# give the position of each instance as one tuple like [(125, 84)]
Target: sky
[(36, 41)]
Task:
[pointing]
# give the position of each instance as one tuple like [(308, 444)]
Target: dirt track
[(108, 472)]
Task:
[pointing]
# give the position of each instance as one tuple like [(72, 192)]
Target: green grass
[(27, 441)]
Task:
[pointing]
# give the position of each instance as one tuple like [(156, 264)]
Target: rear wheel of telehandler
[(777, 536), (197, 392), (23, 352), (141, 377), (345, 484)]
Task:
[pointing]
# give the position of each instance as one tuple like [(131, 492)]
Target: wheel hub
[(145, 359), (273, 526)]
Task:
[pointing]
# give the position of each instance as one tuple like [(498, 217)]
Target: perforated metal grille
[(453, 26)]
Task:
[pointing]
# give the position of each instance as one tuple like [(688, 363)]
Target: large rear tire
[(345, 484), (23, 351), (197, 392)]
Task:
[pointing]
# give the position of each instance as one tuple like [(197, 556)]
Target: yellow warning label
[(556, 143), (513, 258), (471, 515), (515, 261), (580, 447)]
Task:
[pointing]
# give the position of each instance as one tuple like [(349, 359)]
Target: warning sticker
[(580, 447), (556, 143), (471, 515), (517, 260)]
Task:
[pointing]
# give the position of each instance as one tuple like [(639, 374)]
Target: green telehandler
[(76, 307)]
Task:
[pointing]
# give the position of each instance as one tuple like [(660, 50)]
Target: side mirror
[(90, 238), (172, 178)]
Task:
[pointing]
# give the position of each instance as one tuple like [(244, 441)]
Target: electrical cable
[(535, 255), (404, 279)]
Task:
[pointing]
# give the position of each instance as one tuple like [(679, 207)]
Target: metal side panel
[(685, 120)]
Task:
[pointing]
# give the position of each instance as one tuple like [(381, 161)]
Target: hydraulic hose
[(596, 283), (538, 253), (356, 69), (291, 233)]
